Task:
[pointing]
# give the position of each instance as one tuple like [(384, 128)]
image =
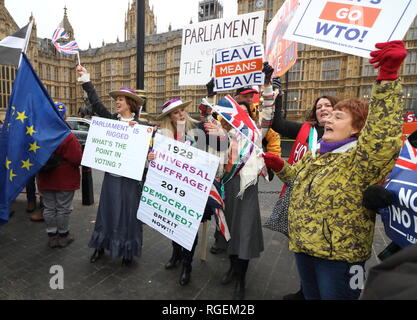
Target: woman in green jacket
[(330, 231)]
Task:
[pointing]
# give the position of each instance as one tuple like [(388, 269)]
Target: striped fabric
[(67, 48), (12, 46)]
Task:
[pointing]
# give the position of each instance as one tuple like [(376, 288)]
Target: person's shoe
[(53, 242), (65, 241), (185, 274), (37, 217), (98, 253), (31, 207), (294, 296), (228, 277), (175, 258), (239, 293), (216, 250)]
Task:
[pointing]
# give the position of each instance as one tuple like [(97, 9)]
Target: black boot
[(230, 274), (241, 266), (98, 253), (294, 296), (176, 256), (126, 262), (185, 273), (239, 293), (186, 264)]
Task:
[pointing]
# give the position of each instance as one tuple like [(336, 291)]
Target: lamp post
[(140, 47)]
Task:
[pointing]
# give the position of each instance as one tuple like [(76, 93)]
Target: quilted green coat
[(326, 217)]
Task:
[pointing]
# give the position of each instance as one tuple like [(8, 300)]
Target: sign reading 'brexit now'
[(238, 67), (352, 27)]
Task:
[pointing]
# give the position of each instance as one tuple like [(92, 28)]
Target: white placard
[(239, 67), (176, 190), (200, 41), (115, 147), (352, 27)]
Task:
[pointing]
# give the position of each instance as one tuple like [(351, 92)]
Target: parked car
[(79, 127)]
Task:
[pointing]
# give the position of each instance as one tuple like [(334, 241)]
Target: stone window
[(330, 69), (160, 61), (296, 72), (293, 99), (412, 31), (410, 66), (368, 69)]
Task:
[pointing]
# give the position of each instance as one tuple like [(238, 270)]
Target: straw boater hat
[(128, 93), (171, 106)]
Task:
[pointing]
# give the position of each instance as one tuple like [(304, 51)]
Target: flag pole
[(27, 39), (78, 55)]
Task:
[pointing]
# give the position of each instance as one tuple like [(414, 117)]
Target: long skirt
[(243, 218), (117, 229)]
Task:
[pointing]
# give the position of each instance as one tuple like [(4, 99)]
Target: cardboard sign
[(200, 42), (353, 27), (239, 67), (281, 54), (176, 190), (115, 147)]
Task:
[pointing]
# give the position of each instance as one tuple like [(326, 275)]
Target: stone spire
[(67, 25)]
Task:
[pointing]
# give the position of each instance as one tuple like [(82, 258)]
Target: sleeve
[(93, 98), (284, 127), (380, 140), (289, 172), (70, 150), (267, 110), (273, 142)]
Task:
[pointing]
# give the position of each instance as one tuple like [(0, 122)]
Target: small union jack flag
[(408, 157), (67, 48), (215, 201), (232, 112)]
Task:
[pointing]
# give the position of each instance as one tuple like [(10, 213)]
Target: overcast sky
[(95, 20)]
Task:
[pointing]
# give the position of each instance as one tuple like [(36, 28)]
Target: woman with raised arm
[(117, 229), (330, 231)]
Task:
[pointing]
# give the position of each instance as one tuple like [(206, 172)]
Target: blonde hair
[(168, 129)]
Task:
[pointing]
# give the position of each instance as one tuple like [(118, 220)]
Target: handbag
[(278, 221)]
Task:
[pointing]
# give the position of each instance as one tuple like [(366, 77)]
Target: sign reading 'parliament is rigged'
[(201, 40), (176, 190), (115, 147)]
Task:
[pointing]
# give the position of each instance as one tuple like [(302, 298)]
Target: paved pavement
[(26, 261)]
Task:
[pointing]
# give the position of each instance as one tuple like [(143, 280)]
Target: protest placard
[(238, 67), (200, 41), (176, 190), (353, 27), (115, 147), (281, 54)]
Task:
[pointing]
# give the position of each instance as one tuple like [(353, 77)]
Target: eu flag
[(32, 131)]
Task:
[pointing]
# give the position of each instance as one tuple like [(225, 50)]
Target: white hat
[(172, 105)]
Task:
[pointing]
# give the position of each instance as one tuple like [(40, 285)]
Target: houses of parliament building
[(317, 71)]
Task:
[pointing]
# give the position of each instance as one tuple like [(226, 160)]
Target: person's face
[(323, 110), (248, 98), (121, 105), (178, 116), (338, 126)]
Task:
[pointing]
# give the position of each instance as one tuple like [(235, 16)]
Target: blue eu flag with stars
[(32, 131)]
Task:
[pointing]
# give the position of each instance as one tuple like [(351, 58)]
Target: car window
[(73, 125), (83, 126)]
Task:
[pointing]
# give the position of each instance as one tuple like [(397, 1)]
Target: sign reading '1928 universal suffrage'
[(115, 147), (200, 41), (349, 26), (176, 190)]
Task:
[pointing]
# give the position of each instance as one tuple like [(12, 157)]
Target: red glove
[(389, 59), (273, 161)]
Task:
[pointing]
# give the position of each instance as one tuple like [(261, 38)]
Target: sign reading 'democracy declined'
[(115, 147), (353, 27), (200, 42), (281, 54), (238, 67), (176, 190)]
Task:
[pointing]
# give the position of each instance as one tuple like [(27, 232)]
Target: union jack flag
[(232, 112), (67, 48), (408, 157), (59, 33), (215, 202)]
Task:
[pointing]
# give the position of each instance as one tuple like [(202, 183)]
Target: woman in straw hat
[(116, 229), (177, 124)]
